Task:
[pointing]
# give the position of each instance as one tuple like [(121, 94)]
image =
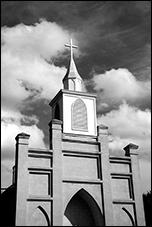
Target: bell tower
[(74, 107)]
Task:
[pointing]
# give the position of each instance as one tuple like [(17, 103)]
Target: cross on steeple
[(72, 79), (71, 46)]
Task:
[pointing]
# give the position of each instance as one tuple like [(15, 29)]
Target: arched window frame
[(85, 118), (43, 212)]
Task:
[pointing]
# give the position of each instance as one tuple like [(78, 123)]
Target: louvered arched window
[(79, 116)]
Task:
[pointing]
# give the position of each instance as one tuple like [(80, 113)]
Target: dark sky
[(114, 60), (116, 33)]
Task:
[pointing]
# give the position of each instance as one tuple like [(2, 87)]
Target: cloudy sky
[(113, 58)]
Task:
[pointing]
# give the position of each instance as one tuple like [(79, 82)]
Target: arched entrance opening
[(82, 210)]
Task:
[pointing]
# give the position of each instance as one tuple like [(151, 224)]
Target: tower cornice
[(65, 91)]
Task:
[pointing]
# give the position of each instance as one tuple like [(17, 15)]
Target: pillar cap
[(22, 135), (102, 129), (55, 121), (102, 126), (130, 146)]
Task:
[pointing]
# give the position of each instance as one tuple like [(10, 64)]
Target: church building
[(76, 182)]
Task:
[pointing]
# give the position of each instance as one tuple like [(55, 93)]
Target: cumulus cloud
[(10, 131), (121, 102), (28, 74), (25, 71), (26, 79), (10, 127), (12, 116), (44, 39), (128, 125), (119, 84)]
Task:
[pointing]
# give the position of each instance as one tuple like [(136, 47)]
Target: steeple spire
[(72, 79)]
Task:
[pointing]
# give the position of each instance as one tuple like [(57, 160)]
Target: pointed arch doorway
[(82, 210)]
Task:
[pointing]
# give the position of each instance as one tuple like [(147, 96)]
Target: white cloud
[(44, 39), (25, 73), (120, 84), (10, 131), (128, 119), (131, 125), (26, 76), (128, 124), (23, 79), (10, 128), (14, 116)]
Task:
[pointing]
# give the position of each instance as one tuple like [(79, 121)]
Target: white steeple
[(72, 79)]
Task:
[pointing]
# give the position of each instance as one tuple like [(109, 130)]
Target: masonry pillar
[(107, 193), (56, 146), (131, 150), (21, 177)]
